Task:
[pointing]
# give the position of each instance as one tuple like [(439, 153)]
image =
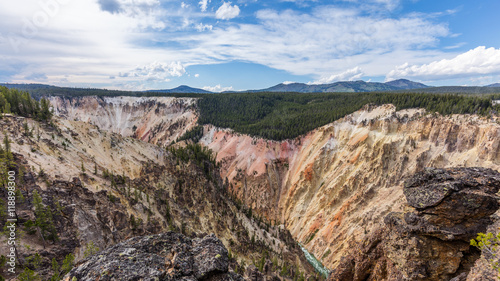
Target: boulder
[(166, 256)]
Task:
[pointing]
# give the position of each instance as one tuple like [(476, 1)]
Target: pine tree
[(44, 219)]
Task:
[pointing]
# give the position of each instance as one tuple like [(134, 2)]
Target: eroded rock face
[(158, 120), (429, 240), (166, 256)]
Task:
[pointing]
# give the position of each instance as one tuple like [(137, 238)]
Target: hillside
[(334, 186), (280, 116)]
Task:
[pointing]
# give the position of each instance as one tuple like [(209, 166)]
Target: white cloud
[(156, 71), (202, 27), (226, 11), (203, 5), (218, 88), (476, 62), (327, 40), (184, 5), (197, 75), (85, 43), (348, 75)]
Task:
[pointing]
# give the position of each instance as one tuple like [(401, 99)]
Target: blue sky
[(247, 44)]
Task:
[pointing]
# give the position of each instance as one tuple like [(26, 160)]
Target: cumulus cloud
[(203, 5), (218, 88), (476, 62), (156, 71), (348, 75), (226, 11)]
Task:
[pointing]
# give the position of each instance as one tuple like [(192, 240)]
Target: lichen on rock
[(166, 256)]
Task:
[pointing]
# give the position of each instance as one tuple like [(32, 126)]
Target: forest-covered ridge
[(280, 116)]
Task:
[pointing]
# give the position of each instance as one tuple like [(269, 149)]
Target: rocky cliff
[(158, 120)]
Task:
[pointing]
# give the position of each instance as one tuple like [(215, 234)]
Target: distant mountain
[(400, 85), (405, 84), (345, 86), (496, 85), (41, 90), (470, 90), (183, 89)]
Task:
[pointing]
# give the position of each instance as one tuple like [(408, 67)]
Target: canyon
[(332, 188)]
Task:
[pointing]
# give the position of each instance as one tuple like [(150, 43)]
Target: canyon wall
[(331, 187), (335, 185), (158, 120)]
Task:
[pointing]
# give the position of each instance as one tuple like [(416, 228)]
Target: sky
[(247, 44)]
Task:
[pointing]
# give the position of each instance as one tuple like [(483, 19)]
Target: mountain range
[(345, 86), (342, 86)]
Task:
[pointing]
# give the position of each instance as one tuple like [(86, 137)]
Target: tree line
[(21, 103)]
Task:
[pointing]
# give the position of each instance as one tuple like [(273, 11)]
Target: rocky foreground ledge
[(167, 256), (429, 240)]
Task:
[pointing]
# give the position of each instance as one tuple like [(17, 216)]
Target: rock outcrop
[(430, 239), (167, 256)]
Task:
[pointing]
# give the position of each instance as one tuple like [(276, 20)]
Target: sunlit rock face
[(159, 120)]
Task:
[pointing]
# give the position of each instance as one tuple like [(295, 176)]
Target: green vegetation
[(280, 116), (44, 219), (60, 270), (28, 275), (201, 155), (488, 243), (90, 249), (39, 90), (194, 134), (22, 104), (6, 160)]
